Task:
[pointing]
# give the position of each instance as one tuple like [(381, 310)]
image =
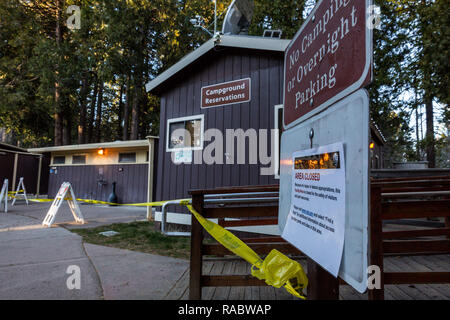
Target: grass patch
[(138, 236)]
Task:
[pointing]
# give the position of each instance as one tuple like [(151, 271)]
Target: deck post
[(376, 241), (322, 285), (195, 288), (447, 224)]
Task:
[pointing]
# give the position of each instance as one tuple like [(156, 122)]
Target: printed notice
[(316, 221)]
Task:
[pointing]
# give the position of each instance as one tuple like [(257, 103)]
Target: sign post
[(324, 208), (346, 123)]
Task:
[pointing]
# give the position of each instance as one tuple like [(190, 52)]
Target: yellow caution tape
[(13, 192), (276, 269), (144, 204)]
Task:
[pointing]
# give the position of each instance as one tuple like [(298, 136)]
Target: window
[(59, 159), (279, 126), (127, 157), (185, 133), (79, 159)]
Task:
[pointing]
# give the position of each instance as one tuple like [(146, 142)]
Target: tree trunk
[(431, 150), (98, 122), (83, 110), (138, 88), (428, 87), (120, 113), (58, 117), (417, 135), (67, 127), (126, 111), (135, 113), (92, 111)]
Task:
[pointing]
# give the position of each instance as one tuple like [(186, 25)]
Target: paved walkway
[(34, 260)]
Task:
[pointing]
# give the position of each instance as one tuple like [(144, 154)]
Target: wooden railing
[(391, 199), (409, 198), (250, 214)]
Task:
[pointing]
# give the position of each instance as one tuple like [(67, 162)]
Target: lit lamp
[(101, 152), (372, 145)]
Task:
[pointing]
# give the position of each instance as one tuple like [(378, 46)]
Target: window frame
[(125, 162), (59, 156), (200, 117), (80, 155)]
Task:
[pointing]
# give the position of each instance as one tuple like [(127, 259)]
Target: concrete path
[(34, 260), (126, 274)]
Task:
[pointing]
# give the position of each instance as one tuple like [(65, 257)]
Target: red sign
[(328, 59), (226, 93)]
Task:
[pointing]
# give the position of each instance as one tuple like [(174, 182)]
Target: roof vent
[(273, 34)]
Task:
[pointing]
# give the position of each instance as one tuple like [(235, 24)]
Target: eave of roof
[(230, 41), (92, 146), (11, 147), (378, 132)]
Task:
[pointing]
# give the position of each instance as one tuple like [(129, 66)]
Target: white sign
[(348, 122), (316, 221)]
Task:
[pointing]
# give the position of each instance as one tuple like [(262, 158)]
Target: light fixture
[(101, 152), (372, 145)]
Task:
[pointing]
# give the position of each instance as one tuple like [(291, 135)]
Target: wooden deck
[(223, 266)]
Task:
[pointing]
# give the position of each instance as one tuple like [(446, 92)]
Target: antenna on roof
[(198, 22), (239, 17)]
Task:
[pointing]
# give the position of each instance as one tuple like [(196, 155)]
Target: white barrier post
[(24, 192), (4, 195), (60, 197)]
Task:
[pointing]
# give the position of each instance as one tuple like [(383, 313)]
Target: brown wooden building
[(377, 144), (16, 162), (252, 68), (92, 168), (249, 70)]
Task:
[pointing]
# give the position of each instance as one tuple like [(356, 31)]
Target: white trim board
[(90, 146), (185, 119)]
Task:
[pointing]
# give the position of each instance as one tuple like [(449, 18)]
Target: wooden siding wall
[(131, 183), (376, 151), (27, 167), (183, 99), (45, 175), (6, 168)]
